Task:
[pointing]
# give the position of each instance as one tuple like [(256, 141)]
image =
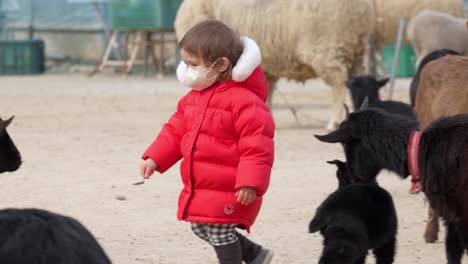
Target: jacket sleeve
[(165, 150), (255, 127)]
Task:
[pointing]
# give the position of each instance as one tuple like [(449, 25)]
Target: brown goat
[(442, 91)]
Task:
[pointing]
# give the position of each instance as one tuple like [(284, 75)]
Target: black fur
[(342, 173), (429, 57), (362, 162), (443, 160), (364, 166), (374, 139), (37, 236), (361, 87), (355, 218)]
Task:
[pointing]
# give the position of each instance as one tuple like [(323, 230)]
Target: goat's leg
[(386, 253), (453, 244), (330, 254), (432, 226), (463, 227), (361, 260), (331, 259)]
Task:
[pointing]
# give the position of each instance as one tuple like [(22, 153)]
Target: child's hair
[(210, 40)]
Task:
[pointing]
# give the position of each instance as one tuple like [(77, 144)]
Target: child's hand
[(147, 168), (246, 195)]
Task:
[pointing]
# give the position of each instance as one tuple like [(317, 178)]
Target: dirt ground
[(81, 139)]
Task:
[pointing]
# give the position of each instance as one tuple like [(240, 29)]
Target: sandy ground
[(81, 139)]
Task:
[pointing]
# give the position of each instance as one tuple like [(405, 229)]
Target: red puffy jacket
[(225, 136)]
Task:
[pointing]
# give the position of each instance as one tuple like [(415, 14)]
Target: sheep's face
[(10, 158), (361, 87)]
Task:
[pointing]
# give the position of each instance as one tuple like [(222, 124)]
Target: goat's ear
[(5, 123), (342, 134), (383, 82), (340, 164), (315, 225), (364, 104)]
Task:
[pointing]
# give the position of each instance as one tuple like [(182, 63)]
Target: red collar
[(413, 151)]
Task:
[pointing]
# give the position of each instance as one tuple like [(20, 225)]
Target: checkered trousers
[(216, 234)]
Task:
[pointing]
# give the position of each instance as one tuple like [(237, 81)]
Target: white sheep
[(431, 30), (299, 39), (389, 13)]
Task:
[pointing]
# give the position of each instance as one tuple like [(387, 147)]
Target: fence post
[(396, 56)]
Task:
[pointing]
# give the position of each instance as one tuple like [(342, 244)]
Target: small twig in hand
[(140, 182)]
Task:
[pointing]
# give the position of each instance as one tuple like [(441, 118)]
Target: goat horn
[(346, 110)]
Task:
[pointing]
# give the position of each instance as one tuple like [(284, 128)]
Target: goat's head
[(10, 158), (348, 129), (341, 172), (362, 86), (361, 165)]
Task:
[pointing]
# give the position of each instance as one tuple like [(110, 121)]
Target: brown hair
[(210, 40)]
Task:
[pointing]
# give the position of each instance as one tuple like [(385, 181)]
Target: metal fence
[(71, 29), (54, 14), (466, 8)]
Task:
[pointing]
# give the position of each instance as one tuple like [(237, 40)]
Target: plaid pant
[(216, 234)]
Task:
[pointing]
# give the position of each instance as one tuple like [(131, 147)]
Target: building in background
[(466, 8), (75, 31), (71, 29)]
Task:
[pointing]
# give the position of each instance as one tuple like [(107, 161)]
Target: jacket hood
[(247, 72)]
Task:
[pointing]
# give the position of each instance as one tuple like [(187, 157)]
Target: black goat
[(364, 86), (428, 58), (37, 236), (442, 157), (366, 167), (355, 218)]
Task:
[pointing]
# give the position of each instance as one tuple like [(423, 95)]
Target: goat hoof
[(430, 238)]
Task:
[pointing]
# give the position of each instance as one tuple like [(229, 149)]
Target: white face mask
[(196, 77)]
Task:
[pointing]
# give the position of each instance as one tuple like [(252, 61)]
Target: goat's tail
[(315, 225)]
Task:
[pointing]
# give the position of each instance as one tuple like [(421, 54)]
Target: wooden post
[(147, 44), (372, 62)]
